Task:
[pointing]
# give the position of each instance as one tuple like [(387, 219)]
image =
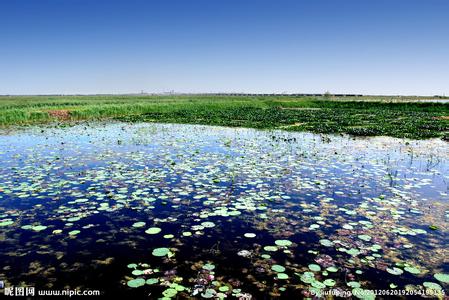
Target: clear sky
[(343, 46)]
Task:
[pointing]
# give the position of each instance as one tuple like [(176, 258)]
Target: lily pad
[(161, 251), (138, 282), (139, 224), (395, 271), (282, 276), (283, 243), (170, 292), (278, 268), (137, 272), (364, 237), (326, 243), (6, 223), (208, 224), (314, 267), (432, 286), (413, 270), (151, 281), (153, 230), (208, 267), (223, 288), (354, 284), (442, 277), (270, 248), (329, 282), (208, 293), (39, 228)]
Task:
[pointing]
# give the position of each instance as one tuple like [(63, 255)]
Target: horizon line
[(172, 93)]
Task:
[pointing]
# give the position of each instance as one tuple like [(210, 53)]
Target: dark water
[(241, 213)]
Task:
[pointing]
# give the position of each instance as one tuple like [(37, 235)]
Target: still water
[(185, 211)]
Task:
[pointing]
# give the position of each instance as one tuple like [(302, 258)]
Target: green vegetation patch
[(361, 116)]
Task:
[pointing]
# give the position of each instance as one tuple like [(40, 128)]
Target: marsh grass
[(382, 117)]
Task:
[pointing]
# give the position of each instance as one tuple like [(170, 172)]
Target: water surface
[(198, 211)]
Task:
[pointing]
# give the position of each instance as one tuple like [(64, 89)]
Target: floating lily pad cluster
[(205, 284)]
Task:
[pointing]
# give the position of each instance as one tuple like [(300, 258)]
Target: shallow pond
[(160, 210)]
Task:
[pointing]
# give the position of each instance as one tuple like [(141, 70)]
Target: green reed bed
[(316, 114)]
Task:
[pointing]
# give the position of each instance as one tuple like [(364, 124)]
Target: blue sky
[(343, 46)]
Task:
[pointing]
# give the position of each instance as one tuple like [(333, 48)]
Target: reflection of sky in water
[(283, 184)]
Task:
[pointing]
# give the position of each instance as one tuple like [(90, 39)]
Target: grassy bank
[(387, 116)]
